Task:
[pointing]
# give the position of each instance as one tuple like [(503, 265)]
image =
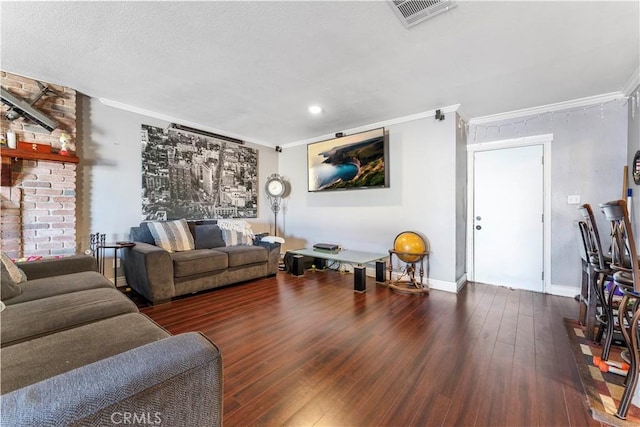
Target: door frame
[(544, 140)]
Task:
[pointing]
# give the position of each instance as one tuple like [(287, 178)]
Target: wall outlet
[(573, 199)]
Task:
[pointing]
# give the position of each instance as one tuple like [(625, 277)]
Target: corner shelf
[(10, 155)]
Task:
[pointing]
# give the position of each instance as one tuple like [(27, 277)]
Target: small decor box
[(33, 146)]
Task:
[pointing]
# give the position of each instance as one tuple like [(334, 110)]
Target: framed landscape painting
[(350, 162)]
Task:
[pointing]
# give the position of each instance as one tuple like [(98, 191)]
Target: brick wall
[(38, 212)]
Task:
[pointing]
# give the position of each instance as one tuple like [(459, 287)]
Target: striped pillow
[(172, 236), (236, 232), (234, 238)]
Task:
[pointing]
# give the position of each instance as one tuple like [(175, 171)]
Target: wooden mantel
[(11, 155)]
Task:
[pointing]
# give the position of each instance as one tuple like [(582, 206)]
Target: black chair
[(601, 266), (624, 261), (587, 299)]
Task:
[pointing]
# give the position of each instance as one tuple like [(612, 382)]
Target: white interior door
[(508, 207)]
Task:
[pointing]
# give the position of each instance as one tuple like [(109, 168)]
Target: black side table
[(100, 250)]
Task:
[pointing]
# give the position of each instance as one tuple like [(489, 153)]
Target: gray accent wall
[(588, 155)]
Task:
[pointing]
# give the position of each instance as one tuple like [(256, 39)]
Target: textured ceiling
[(252, 68)]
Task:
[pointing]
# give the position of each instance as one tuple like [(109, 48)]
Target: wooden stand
[(408, 285)]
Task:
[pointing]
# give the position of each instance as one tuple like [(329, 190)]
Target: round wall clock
[(275, 186)]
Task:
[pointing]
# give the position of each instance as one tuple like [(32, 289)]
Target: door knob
[(478, 227)]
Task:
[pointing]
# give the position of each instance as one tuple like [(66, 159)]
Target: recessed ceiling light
[(315, 109)]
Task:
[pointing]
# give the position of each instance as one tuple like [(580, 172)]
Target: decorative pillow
[(15, 272), (208, 236), (236, 232), (141, 234), (172, 236), (10, 278), (233, 238), (8, 289)]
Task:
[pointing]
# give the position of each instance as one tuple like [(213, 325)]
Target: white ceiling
[(252, 68)]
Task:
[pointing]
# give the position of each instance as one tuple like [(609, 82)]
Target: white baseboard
[(461, 282), (442, 285)]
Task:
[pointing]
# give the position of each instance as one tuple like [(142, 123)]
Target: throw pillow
[(208, 236), (233, 238), (236, 232), (142, 234), (15, 272), (172, 236), (10, 277), (8, 289)]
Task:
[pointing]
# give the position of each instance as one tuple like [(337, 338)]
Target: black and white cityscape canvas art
[(192, 176)]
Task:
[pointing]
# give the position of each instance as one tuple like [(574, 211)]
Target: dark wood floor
[(309, 351)]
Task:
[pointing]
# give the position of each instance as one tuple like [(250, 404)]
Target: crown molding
[(171, 119), (558, 106), (430, 113), (464, 116), (632, 83)]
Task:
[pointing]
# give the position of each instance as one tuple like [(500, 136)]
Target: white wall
[(421, 197), (427, 183), (588, 155), (109, 174)]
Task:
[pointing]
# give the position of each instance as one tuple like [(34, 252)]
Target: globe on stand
[(410, 248)]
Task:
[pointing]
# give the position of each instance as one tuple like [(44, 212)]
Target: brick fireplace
[(38, 208)]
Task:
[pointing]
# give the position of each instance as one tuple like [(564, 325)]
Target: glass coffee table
[(357, 259)]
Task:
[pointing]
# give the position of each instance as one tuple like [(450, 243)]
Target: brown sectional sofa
[(76, 351), (159, 275)]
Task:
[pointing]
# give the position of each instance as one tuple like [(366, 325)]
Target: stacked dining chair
[(602, 274), (587, 299), (624, 264)]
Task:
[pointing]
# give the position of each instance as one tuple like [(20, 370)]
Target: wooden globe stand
[(408, 285)]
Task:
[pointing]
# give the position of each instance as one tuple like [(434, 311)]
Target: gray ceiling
[(252, 68)]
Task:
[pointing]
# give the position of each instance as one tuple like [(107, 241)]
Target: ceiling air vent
[(412, 12)]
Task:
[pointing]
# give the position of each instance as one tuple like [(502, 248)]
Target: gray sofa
[(159, 275), (76, 351)]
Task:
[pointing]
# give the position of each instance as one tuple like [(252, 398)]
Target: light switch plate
[(573, 199)]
